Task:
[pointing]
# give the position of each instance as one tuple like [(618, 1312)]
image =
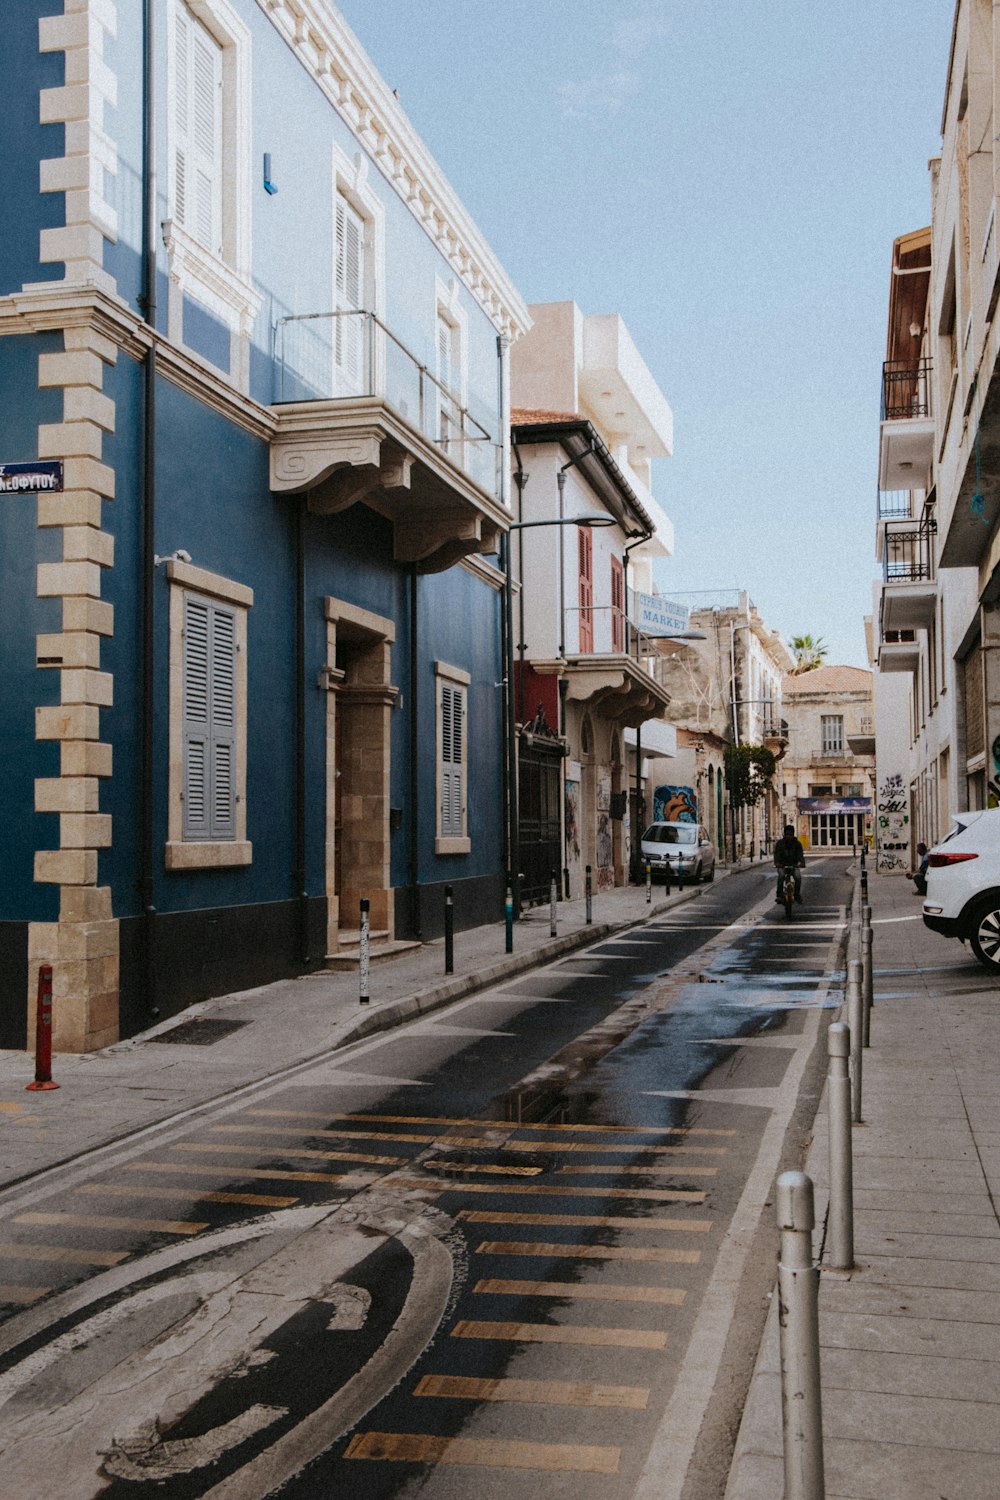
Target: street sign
[(656, 616), (47, 475)]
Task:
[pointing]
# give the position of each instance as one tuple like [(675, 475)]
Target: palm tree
[(809, 653)]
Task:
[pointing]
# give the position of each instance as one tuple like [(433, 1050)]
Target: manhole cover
[(483, 1159), (199, 1033)]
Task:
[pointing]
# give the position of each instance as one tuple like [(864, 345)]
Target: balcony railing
[(893, 505), (908, 556), (347, 355), (906, 389)]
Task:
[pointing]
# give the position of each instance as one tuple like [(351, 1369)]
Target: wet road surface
[(579, 1141)]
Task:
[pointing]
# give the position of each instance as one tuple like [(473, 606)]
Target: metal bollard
[(590, 899), (449, 931), (43, 1033), (649, 883), (867, 995), (508, 911), (363, 953), (798, 1318), (838, 1083), (552, 905), (864, 884), (855, 1011)]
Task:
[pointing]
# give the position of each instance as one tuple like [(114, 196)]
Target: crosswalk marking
[(541, 1189), (108, 1221), (670, 1296), (12, 1250), (307, 1153), (251, 1200), (660, 1254), (535, 1392), (583, 1221), (650, 1171), (490, 1453), (22, 1294), (207, 1169), (552, 1333), (495, 1134), (523, 1124)]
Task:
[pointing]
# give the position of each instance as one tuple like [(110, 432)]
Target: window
[(197, 131), (208, 720), (617, 605), (452, 791), (832, 732), (449, 376), (207, 231), (349, 300), (586, 559)]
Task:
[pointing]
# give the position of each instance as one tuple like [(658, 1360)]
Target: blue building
[(253, 367)]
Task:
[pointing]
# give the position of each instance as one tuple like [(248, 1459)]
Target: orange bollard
[(43, 1032)]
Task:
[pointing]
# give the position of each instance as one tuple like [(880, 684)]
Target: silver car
[(679, 851)]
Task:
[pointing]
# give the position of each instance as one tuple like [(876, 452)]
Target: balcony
[(898, 651), (906, 438), (361, 419), (909, 590), (861, 739), (617, 677)]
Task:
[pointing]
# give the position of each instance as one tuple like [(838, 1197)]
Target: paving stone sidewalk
[(107, 1095), (910, 1340)]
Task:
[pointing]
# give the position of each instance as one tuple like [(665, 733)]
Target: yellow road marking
[(656, 1195), (662, 1254), (671, 1296), (583, 1221), (535, 1392), (650, 1171), (309, 1153), (206, 1169), (22, 1294), (519, 1124), (252, 1200), (483, 1453), (14, 1251), (551, 1333), (108, 1221), (441, 1164), (7, 1106), (495, 1135)]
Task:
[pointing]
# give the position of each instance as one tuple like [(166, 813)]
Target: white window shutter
[(452, 761), (349, 293), (198, 129)]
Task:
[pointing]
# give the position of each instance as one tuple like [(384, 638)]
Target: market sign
[(656, 616), (27, 478), (835, 804)]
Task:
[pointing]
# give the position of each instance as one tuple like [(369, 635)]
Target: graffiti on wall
[(893, 826), (675, 804), (572, 820), (605, 849)]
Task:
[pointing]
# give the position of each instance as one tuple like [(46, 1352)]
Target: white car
[(963, 885), (681, 851)]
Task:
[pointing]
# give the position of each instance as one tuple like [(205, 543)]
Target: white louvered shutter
[(198, 131), (452, 761), (349, 290), (209, 720)]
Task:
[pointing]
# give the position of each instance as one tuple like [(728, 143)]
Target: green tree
[(809, 653), (749, 772)]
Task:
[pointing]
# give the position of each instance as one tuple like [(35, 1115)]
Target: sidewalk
[(105, 1096), (910, 1340)]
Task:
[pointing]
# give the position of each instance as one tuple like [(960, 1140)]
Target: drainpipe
[(148, 552), (415, 913), (299, 873)]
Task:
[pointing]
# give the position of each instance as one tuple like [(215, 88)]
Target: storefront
[(833, 822)]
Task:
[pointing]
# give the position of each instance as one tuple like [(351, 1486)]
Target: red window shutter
[(586, 589), (617, 605)]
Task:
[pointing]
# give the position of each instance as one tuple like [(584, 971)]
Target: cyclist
[(789, 853)]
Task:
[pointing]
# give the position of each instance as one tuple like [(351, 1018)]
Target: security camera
[(182, 556)]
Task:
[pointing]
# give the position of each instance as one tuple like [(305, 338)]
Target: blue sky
[(728, 177)]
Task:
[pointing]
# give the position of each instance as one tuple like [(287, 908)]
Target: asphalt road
[(505, 1245)]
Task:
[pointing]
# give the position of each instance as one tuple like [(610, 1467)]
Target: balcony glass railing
[(906, 389), (345, 355)]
